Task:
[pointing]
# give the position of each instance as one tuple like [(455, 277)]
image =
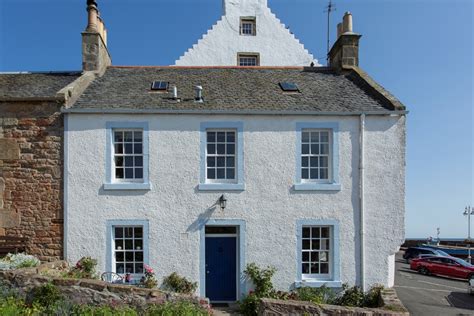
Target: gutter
[(227, 112), (361, 200)]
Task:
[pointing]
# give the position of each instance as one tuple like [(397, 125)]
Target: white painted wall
[(268, 205), (275, 44)]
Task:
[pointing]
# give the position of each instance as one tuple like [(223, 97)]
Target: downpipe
[(361, 200)]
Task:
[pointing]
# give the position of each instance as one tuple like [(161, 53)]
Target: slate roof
[(231, 89), (34, 85)]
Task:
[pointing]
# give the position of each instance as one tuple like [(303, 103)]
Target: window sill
[(127, 186), (317, 187), (318, 283), (221, 187)]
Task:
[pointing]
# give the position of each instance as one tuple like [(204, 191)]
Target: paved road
[(431, 295)]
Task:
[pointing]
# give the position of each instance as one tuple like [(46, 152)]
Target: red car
[(447, 266)]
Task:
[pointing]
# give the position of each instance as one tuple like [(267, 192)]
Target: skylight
[(289, 87), (159, 85)]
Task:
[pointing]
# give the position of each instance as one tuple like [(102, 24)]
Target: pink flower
[(148, 269)]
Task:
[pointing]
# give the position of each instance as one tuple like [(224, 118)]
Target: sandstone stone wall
[(31, 162)]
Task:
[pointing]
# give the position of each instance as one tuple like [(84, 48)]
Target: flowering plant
[(149, 279), (84, 269)]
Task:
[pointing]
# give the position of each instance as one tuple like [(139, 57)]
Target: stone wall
[(31, 162), (390, 306), (91, 292)]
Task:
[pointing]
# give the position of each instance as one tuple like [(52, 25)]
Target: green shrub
[(249, 305), (354, 296), (372, 297), (262, 280), (18, 261), (46, 295), (84, 269), (317, 295), (86, 310), (176, 283)]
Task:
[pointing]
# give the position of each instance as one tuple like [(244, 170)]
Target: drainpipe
[(361, 201)]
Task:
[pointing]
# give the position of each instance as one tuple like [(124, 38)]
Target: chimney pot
[(339, 29), (347, 23), (92, 16)]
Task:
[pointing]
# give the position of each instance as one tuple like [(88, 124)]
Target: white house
[(202, 170), (248, 34)]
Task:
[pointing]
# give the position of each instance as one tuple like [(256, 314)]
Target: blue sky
[(420, 50)]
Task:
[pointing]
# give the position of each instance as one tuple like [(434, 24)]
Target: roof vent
[(289, 87), (198, 94), (159, 86)]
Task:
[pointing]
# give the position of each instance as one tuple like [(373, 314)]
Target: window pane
[(306, 244), (118, 232), (315, 137), (305, 256), (211, 173), (313, 173), (305, 268), (211, 137), (323, 162), (128, 232), (118, 137), (128, 244), (315, 149), (119, 161), (314, 268), (230, 162), (128, 136), (314, 162), (129, 256), (324, 268), (315, 232), (220, 149), (119, 173), (315, 244), (129, 161), (138, 148), (314, 256), (323, 173), (139, 256), (306, 232), (221, 161), (138, 267), (220, 173), (129, 268), (138, 161), (119, 268), (138, 173), (305, 149), (324, 256), (129, 173), (324, 137), (119, 149), (138, 244), (128, 149), (230, 173), (304, 161), (211, 149), (230, 137), (324, 149), (305, 173), (305, 137), (119, 244), (137, 136), (119, 256), (325, 232), (211, 161), (138, 232), (221, 137), (230, 149)]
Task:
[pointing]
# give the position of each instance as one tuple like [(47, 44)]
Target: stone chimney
[(345, 51), (95, 55)]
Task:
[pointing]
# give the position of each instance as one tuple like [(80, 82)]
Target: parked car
[(470, 286), (415, 252), (446, 266)]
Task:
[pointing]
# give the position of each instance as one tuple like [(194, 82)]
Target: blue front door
[(221, 269)]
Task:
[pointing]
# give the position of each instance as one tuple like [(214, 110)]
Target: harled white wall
[(269, 205)]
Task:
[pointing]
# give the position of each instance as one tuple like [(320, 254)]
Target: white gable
[(273, 42)]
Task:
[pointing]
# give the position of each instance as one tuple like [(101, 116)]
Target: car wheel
[(424, 271)]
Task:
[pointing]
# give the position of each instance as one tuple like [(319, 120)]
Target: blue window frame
[(318, 253), (221, 156), (317, 156), (127, 156), (127, 247)]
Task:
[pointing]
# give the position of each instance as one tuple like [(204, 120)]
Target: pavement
[(431, 295)]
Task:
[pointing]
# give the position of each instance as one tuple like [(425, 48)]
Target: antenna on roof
[(331, 7)]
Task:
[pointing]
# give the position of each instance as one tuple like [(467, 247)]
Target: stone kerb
[(390, 306), (89, 291)]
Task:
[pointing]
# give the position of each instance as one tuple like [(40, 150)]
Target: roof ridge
[(209, 67)]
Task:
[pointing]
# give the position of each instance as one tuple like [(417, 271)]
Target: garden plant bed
[(91, 292)]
